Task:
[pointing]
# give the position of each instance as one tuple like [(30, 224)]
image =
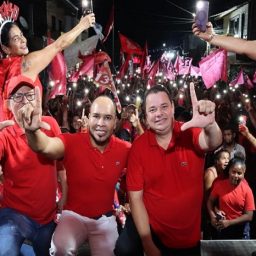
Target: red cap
[(16, 82)]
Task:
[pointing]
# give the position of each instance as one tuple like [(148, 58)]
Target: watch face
[(23, 22)]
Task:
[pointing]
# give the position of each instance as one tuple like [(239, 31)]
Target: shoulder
[(211, 171), (120, 143)]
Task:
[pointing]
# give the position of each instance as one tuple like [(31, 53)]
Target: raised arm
[(35, 62), (30, 118), (204, 117), (229, 43)]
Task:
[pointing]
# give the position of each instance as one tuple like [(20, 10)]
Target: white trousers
[(74, 229)]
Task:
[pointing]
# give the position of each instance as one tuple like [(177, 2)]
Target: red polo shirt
[(233, 200), (172, 184), (92, 175), (30, 179)]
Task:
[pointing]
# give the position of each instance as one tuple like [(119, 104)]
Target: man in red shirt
[(165, 178), (93, 161), (30, 180)]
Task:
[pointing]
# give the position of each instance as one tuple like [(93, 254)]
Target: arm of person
[(247, 216), (39, 142), (246, 133), (29, 116), (210, 137), (204, 117), (35, 62), (210, 207), (135, 120), (62, 178), (208, 180), (141, 220), (229, 43)]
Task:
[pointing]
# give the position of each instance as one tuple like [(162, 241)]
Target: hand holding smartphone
[(201, 18)]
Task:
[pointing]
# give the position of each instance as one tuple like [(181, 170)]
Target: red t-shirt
[(234, 201), (92, 175), (29, 179), (172, 184)]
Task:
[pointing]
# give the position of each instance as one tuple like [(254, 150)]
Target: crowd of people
[(184, 172)]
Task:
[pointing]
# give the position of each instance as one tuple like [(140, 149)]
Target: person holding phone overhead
[(229, 43), (201, 18), (17, 58)]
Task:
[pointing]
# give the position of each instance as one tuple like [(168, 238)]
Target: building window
[(234, 26)]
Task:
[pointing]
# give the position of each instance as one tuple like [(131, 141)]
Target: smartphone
[(87, 6), (201, 18), (242, 119)]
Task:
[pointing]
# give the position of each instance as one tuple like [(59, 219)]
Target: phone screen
[(201, 18), (88, 6)]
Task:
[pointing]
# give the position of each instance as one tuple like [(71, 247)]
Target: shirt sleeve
[(249, 200), (134, 174)]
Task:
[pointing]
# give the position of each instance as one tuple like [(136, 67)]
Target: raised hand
[(134, 118), (5, 124), (88, 20), (84, 121), (203, 112), (29, 116), (206, 36)]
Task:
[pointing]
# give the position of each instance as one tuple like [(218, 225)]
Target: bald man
[(93, 161)]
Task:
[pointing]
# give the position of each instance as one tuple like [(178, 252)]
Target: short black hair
[(153, 90)]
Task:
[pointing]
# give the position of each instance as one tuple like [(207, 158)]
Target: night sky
[(157, 21)]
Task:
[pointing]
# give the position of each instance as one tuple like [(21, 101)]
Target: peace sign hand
[(29, 116), (203, 112)]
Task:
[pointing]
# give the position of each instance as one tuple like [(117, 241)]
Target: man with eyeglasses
[(30, 180), (94, 162)]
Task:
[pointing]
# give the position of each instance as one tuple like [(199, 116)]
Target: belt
[(107, 214)]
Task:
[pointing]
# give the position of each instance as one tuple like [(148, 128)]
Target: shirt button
[(102, 167)]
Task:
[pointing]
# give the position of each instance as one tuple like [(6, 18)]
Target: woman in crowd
[(235, 203), (17, 59)]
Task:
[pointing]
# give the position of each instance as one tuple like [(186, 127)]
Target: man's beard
[(97, 142)]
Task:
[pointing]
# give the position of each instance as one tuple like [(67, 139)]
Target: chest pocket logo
[(184, 164)]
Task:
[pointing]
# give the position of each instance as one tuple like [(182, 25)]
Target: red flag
[(128, 46), (57, 73), (104, 79), (124, 68), (86, 68), (100, 57), (214, 67), (109, 25), (152, 73)]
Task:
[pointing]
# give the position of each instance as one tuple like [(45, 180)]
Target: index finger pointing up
[(193, 94), (38, 99), (83, 112)]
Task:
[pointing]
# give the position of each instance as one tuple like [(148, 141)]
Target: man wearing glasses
[(30, 180)]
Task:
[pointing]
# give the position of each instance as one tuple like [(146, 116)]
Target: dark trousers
[(129, 244)]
